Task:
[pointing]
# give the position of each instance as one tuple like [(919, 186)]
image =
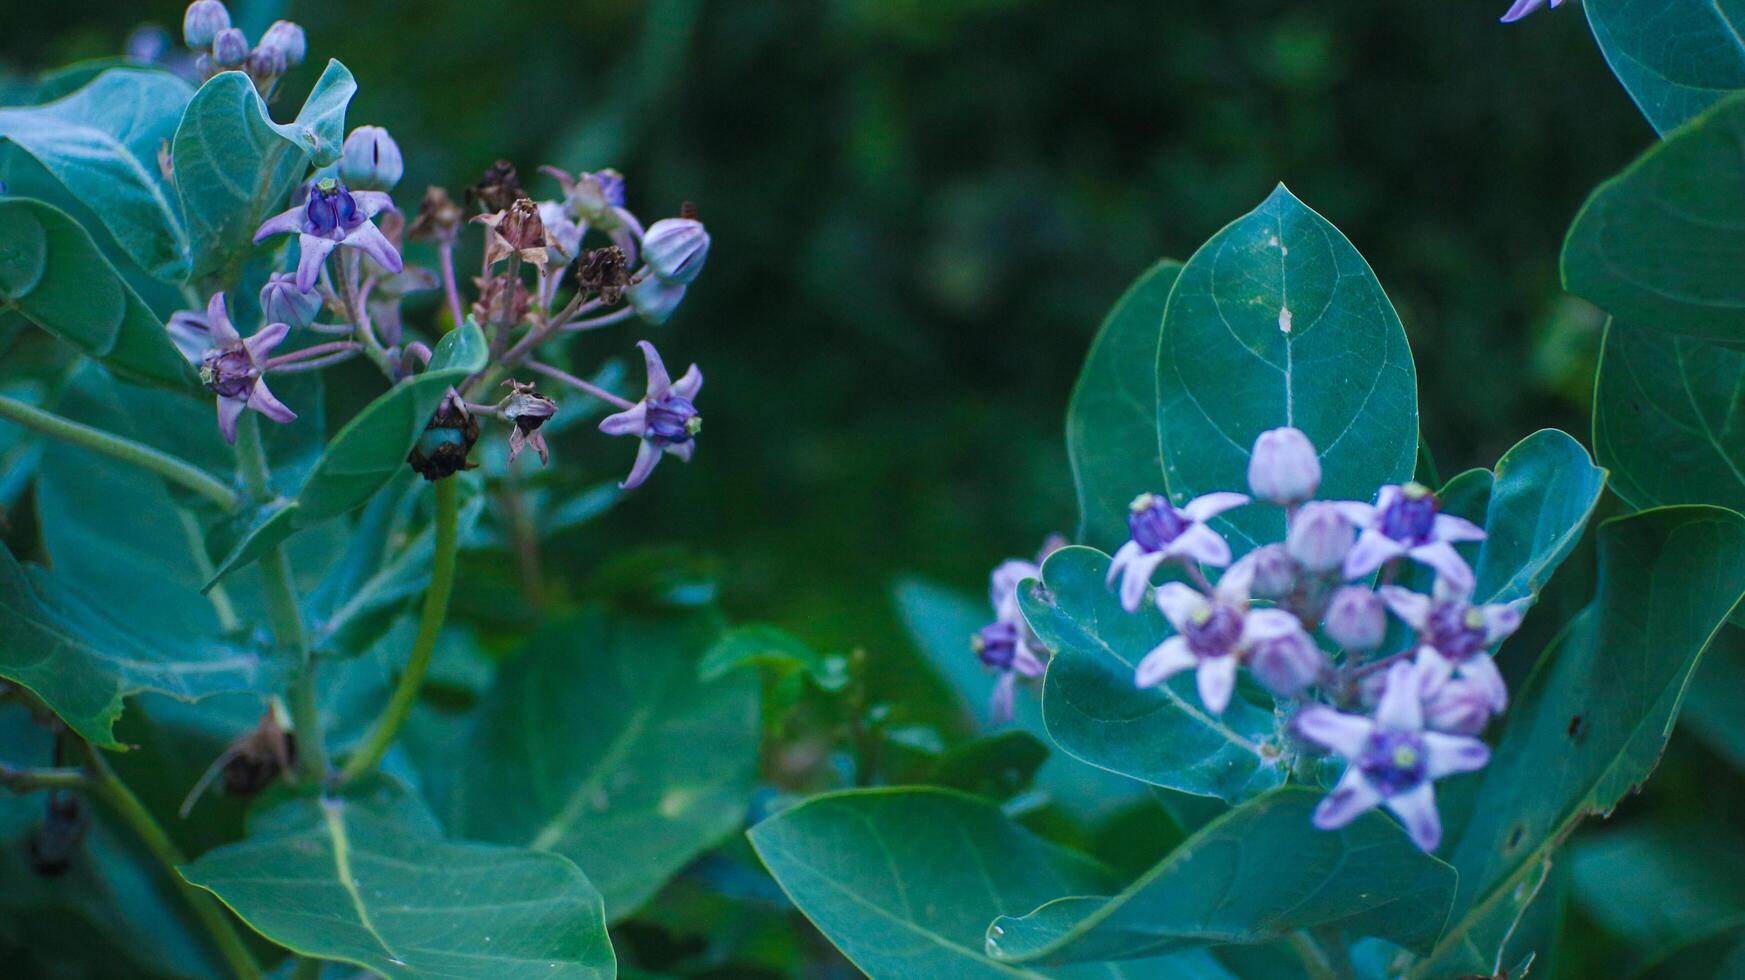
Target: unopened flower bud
[(655, 299), (283, 302), (521, 226), (675, 249), (1319, 537), (1284, 469), (499, 188), (1282, 656), (287, 42), (438, 216), (1458, 707), (229, 48), (202, 22), (370, 160), (264, 64), (1275, 572), (1356, 619)]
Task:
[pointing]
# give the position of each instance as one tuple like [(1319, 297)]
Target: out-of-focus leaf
[(1659, 886), (1675, 57), (370, 881), (1591, 722), (102, 142), (996, 766), (1541, 496), (616, 756), (1111, 422), (758, 645), (1277, 320), (1711, 708), (1161, 734)]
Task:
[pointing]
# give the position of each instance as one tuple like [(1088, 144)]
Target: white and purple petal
[(1372, 550), (1445, 755), (1210, 505), (1416, 808), (1350, 799), (1171, 657), (1334, 730), (1216, 677), (1178, 602)]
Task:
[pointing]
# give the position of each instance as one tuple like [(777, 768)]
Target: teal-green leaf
[(1277, 320), (758, 645), (1111, 422), (369, 882), (997, 766), (52, 273), (617, 756), (1593, 719), (1668, 419), (102, 142), (1675, 57), (1254, 875), (1543, 492), (1661, 244), (1161, 735), (234, 165), (905, 882)]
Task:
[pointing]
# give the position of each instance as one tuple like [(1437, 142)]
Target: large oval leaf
[(619, 757), (1278, 321), (1255, 875), (1661, 244), (1591, 722), (1675, 57), (1543, 492), (103, 142), (234, 165), (1162, 734), (1111, 423), (369, 882)]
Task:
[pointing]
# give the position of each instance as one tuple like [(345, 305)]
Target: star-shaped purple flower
[(1404, 521), (232, 368), (1448, 621), (1461, 698), (1393, 760), (1209, 635), (1161, 531), (332, 216), (666, 419)]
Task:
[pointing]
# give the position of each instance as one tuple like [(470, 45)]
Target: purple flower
[(665, 419), (675, 249), (332, 216), (1356, 619), (202, 21), (654, 299), (1393, 760), (1461, 698), (1281, 654), (229, 48), (371, 160), (1448, 621), (1283, 469), (283, 302), (231, 369), (597, 199), (1007, 645), (1273, 570), (1209, 637), (1162, 531), (1320, 536), (1404, 521), (287, 43), (1522, 8)]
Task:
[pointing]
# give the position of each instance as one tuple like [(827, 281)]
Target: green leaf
[(1111, 422), (1162, 734), (1675, 57), (102, 142), (905, 882), (1661, 244), (762, 646), (234, 165), (1590, 723), (1278, 321), (364, 455), (997, 766), (1668, 421), (53, 274), (1711, 710), (616, 756), (1660, 885), (1544, 490), (370, 882), (1254, 875)]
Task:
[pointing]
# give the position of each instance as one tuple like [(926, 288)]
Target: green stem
[(109, 788), (23, 779), (163, 464), (282, 607), (429, 626), (307, 968), (1321, 961)]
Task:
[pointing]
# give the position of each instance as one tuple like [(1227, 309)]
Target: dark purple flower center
[(672, 421), (1393, 762), (1213, 630), (1456, 630), (331, 209), (1154, 523), (997, 645), (228, 372), (1411, 516)]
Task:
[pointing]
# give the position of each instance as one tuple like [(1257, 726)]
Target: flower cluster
[(220, 47)]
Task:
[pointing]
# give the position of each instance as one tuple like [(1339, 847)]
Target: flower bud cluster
[(206, 29)]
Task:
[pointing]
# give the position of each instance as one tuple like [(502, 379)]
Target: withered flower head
[(58, 838), (441, 451), (516, 230), (503, 301), (498, 189), (603, 271), (438, 216), (253, 761), (527, 409)]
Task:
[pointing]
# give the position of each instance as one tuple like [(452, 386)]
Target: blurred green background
[(921, 210)]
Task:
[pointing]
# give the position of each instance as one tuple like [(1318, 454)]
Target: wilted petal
[(229, 410), (1413, 608), (633, 421), (1171, 657), (1451, 528), (265, 339), (1202, 544), (1334, 730), (1207, 506), (1372, 550), (1401, 708), (1445, 755), (314, 251), (1447, 562), (1216, 677), (289, 220), (1178, 602), (262, 401), (646, 458), (1350, 799)]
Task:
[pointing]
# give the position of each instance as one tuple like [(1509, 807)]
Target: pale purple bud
[(1458, 707), (1275, 572), (371, 160), (229, 48), (287, 42), (655, 299), (202, 22), (675, 249), (1284, 469), (283, 302), (1319, 536), (1282, 656), (1356, 619)]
